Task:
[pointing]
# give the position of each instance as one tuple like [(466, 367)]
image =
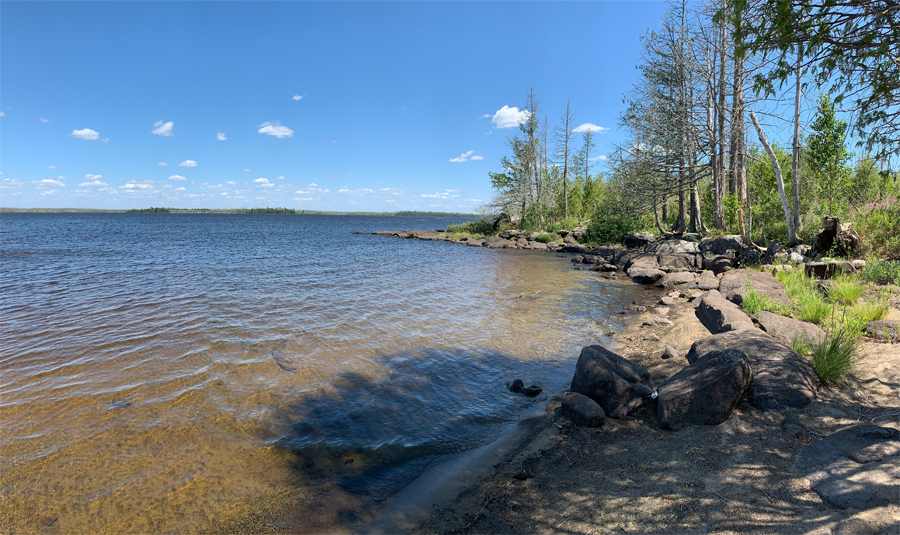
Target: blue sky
[(323, 106)]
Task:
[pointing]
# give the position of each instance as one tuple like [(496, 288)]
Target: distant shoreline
[(222, 211)]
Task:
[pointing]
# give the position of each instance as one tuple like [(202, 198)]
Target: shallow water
[(168, 372)]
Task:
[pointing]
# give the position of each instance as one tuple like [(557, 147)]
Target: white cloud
[(104, 140), (601, 157), (162, 164), (95, 183), (281, 178), (246, 170), (446, 194), (50, 182), (231, 183), (264, 182), (296, 97), (313, 185), (49, 192), (179, 189), (220, 136), (93, 177), (163, 129), (592, 127), (464, 157), (134, 186), (177, 177), (477, 157), (44, 120), (486, 115), (507, 117), (51, 167), (60, 177), (188, 163), (87, 133), (2, 114), (275, 129), (304, 199)]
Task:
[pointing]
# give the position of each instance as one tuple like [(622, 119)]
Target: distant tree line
[(432, 214)]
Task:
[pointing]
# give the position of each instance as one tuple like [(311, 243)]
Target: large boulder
[(708, 281), (785, 329), (638, 239), (722, 245), (582, 410), (705, 392), (720, 315), (884, 330), (645, 276), (496, 242), (615, 383), (782, 378), (672, 247), (679, 260), (674, 279), (643, 269), (827, 270), (855, 467), (736, 283)]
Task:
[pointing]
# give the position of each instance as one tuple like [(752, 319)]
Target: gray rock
[(615, 383), (722, 244), (796, 258), (666, 300), (827, 270), (708, 281), (538, 246), (582, 410), (496, 242), (856, 467), (641, 261), (705, 392), (784, 329), (645, 276), (884, 330), (672, 247), (662, 311), (657, 320), (782, 378), (475, 243), (802, 249), (670, 353), (679, 261), (674, 279), (510, 234), (570, 239), (592, 259), (650, 337), (719, 315), (735, 284), (638, 239)]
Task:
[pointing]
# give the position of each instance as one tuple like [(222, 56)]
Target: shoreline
[(540, 486)]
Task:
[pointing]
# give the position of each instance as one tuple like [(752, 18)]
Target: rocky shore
[(701, 418)]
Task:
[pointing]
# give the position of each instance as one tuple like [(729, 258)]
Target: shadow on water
[(373, 435)]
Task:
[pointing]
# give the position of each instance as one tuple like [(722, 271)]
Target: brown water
[(180, 373)]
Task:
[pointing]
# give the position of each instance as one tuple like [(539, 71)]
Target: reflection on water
[(167, 372)]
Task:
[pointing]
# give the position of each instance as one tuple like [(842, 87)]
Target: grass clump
[(753, 302), (846, 290), (810, 304), (834, 356), (548, 237), (482, 226)]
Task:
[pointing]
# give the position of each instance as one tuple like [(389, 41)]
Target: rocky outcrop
[(719, 315), (887, 330), (782, 378), (827, 270), (672, 247), (708, 281), (735, 284), (582, 410), (674, 279), (785, 329), (723, 245), (705, 392), (638, 239), (618, 385), (854, 467)]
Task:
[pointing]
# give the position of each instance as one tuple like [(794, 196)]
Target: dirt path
[(632, 477)]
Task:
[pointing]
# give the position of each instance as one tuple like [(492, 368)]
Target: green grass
[(458, 235), (846, 290), (809, 304), (834, 356), (882, 272), (482, 226), (548, 237), (753, 302)]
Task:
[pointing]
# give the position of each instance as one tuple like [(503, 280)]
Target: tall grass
[(882, 271), (753, 302), (810, 304), (846, 290), (834, 356)]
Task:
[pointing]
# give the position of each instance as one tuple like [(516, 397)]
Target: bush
[(882, 272), (878, 226), (482, 226), (609, 229), (548, 237), (834, 356)]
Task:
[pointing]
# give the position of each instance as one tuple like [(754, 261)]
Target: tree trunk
[(795, 160), (720, 110), (779, 180)]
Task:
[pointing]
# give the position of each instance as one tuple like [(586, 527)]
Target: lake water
[(186, 372)]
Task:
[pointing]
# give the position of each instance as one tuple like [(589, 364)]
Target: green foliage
[(608, 229), (534, 217), (809, 303), (150, 210), (828, 157), (834, 356), (768, 214), (731, 204), (548, 237), (753, 302), (482, 226), (877, 309), (845, 290), (878, 225), (801, 344), (882, 272)]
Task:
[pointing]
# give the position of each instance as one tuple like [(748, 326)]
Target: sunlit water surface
[(168, 372)]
